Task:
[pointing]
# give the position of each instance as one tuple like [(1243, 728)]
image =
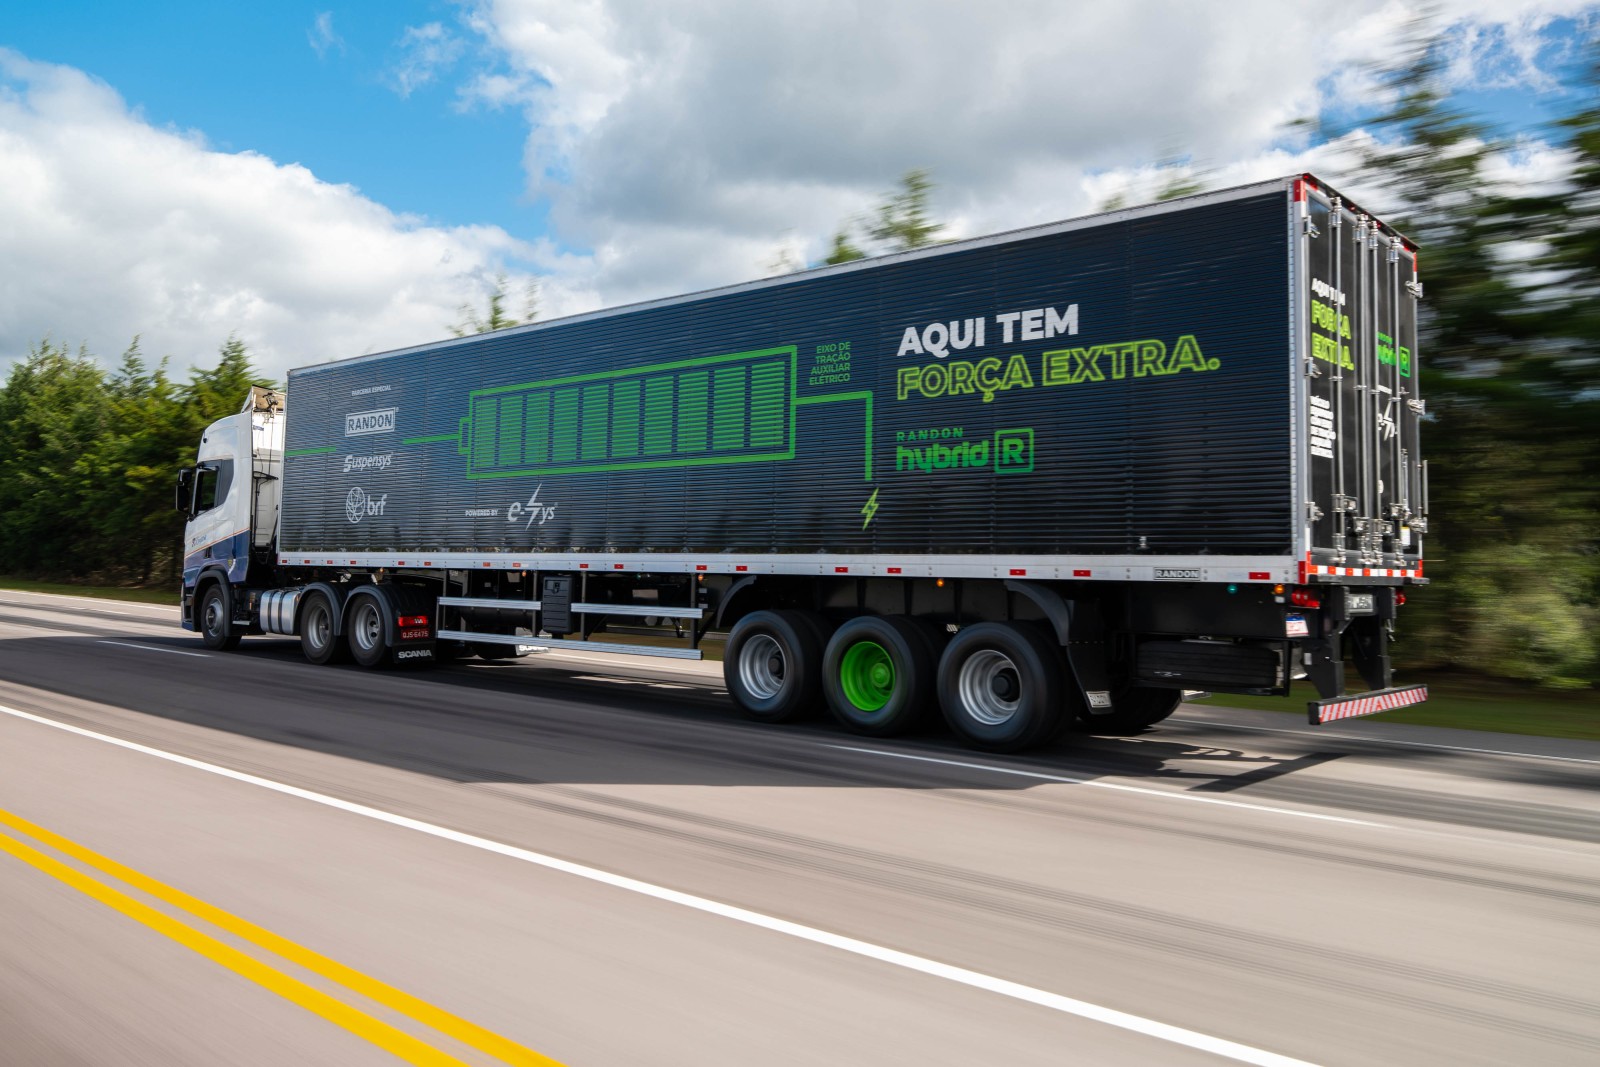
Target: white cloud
[(686, 143), (322, 35), (679, 146), (113, 227), (425, 52)]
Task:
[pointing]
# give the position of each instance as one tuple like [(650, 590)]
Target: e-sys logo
[(357, 503), (365, 422)]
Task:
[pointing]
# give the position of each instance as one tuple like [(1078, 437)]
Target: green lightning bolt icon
[(871, 508)]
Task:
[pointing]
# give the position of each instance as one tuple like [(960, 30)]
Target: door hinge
[(1313, 512), (1310, 228), (1415, 289)]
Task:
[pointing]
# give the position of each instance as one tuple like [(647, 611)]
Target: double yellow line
[(358, 1022)]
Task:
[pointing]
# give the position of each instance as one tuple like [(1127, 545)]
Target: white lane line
[(1083, 1009), (1305, 735), (89, 600), (1162, 793), (156, 648)]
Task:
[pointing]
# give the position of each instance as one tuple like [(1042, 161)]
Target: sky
[(327, 180)]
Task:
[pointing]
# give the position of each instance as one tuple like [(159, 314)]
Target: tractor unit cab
[(231, 497)]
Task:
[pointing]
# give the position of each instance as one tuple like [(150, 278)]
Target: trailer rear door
[(1365, 482)]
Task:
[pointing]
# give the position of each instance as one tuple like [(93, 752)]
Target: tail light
[(1305, 598), (1399, 598), (413, 620)]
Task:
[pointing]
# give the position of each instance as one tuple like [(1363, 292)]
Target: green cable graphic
[(712, 411)]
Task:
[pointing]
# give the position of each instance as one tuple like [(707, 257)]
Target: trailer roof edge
[(1162, 207)]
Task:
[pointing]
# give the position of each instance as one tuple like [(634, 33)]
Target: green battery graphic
[(735, 408)]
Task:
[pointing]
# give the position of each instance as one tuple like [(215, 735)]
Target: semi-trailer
[(1054, 475)]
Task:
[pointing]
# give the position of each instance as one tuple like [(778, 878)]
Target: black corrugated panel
[(739, 421)]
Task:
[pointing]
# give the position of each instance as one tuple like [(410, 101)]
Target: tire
[(878, 675), (1135, 708), (1001, 685), (319, 642), (214, 619), (365, 631), (773, 665)]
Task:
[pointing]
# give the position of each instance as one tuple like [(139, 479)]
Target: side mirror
[(183, 499)]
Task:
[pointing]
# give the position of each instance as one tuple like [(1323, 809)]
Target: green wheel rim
[(866, 674)]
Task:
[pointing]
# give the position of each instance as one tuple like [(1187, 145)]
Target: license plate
[(1295, 626), (1359, 604)]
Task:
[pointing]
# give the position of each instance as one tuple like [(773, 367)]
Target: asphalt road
[(240, 858)]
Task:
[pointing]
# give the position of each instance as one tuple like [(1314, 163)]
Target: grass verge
[(1463, 703), (142, 595)]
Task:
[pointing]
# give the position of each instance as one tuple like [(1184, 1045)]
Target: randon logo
[(360, 423)]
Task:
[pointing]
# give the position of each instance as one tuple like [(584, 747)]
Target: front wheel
[(216, 619), (772, 664), (1000, 686)]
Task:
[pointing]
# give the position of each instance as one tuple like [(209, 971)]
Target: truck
[(1052, 476)]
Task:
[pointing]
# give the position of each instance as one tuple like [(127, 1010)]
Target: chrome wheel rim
[(991, 689), (762, 667), (368, 627), (213, 615), (319, 627)]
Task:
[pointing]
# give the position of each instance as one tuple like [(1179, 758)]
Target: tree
[(52, 411), (497, 317), (843, 251), (902, 221), (1508, 348)]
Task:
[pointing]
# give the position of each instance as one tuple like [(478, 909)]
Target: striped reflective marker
[(1353, 707)]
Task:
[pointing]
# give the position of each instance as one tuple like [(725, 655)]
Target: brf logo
[(357, 502)]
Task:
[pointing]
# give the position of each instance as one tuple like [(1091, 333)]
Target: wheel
[(1134, 708), (319, 642), (363, 629), (772, 665), (216, 619), (878, 674), (1000, 686)]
